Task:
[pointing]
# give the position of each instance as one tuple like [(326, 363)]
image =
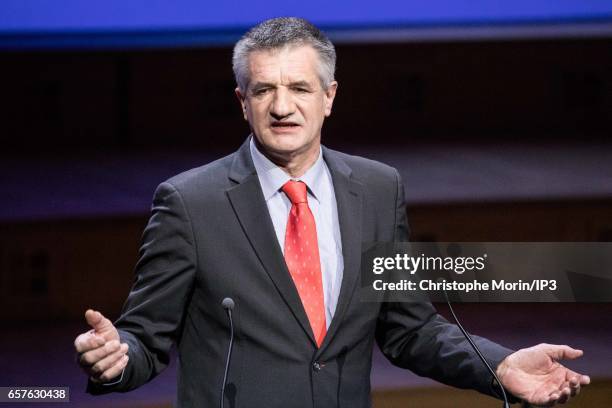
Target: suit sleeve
[(415, 336), (153, 313)]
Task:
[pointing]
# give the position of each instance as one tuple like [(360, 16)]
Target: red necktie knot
[(296, 191)]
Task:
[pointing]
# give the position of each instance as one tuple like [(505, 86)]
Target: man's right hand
[(100, 352)]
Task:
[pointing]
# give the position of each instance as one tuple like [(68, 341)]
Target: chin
[(286, 143)]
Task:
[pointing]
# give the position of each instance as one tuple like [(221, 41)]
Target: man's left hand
[(535, 375)]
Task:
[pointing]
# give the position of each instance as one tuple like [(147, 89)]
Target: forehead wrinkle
[(288, 70)]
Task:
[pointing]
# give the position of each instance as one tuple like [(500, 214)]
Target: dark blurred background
[(499, 120)]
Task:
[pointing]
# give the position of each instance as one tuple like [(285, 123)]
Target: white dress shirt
[(322, 203)]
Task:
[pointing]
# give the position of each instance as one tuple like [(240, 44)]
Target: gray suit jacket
[(210, 236)]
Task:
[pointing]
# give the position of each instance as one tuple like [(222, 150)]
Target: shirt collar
[(272, 178)]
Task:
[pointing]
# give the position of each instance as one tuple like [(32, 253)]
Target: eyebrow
[(260, 85), (263, 85), (300, 83)]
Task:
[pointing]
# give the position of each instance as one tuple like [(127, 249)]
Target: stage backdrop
[(118, 23)]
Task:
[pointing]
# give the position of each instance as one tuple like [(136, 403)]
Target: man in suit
[(277, 226)]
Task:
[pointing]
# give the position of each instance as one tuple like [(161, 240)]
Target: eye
[(300, 89), (261, 91)]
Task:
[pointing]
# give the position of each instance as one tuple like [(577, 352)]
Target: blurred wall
[(389, 94)]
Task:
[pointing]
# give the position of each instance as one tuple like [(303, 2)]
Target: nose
[(282, 105)]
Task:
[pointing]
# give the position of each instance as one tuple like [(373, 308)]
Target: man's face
[(285, 103)]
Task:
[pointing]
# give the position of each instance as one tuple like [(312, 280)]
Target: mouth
[(280, 126)]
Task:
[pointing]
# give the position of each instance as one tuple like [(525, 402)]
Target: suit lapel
[(250, 207), (348, 194)]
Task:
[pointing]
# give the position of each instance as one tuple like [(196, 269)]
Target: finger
[(547, 402), (563, 352), (564, 397), (92, 357), (575, 391), (108, 361), (97, 321), (553, 399), (574, 385), (573, 377), (545, 398), (115, 370), (88, 341)]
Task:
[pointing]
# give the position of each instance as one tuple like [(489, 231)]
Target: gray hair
[(278, 33)]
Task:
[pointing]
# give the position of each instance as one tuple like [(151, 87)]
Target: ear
[(330, 94), (241, 99)]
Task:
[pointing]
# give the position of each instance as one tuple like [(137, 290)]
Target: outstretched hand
[(535, 375), (100, 352)]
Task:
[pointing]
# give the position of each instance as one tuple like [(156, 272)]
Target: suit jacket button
[(316, 366)]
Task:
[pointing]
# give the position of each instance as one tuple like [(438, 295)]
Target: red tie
[(302, 257)]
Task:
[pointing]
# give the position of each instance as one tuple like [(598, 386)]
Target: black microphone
[(228, 305), (476, 349)]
